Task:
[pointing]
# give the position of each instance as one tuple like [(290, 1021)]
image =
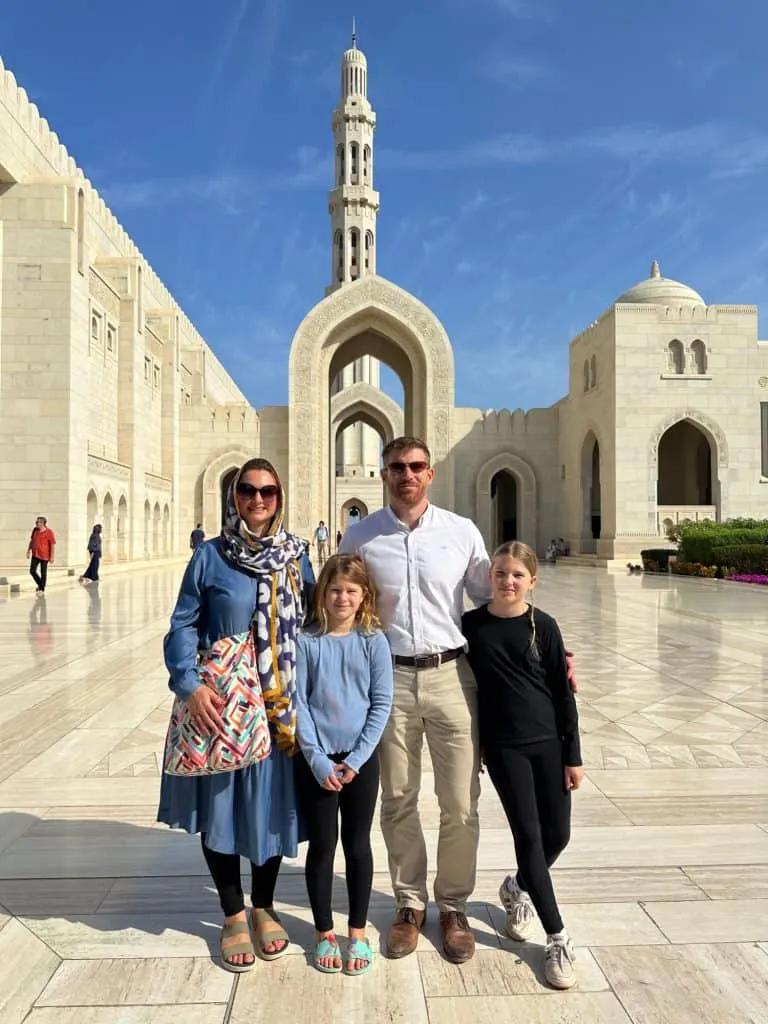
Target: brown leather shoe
[(458, 940), (404, 932)]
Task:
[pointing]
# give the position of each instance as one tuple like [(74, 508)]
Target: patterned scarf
[(274, 560)]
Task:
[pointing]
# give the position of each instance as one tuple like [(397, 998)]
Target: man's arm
[(477, 580)]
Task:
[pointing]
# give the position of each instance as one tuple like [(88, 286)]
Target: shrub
[(749, 578), (744, 558), (656, 559), (694, 569), (702, 542)]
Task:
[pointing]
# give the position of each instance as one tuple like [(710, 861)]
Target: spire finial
[(655, 272), (354, 33)]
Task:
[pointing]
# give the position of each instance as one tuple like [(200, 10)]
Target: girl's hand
[(344, 773), (574, 776), (206, 706), (333, 782)]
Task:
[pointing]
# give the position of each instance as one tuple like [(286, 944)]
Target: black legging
[(530, 782), (356, 803), (225, 871)]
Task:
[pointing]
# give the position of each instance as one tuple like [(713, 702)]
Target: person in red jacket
[(42, 546)]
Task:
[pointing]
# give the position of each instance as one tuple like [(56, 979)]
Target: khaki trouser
[(440, 704)]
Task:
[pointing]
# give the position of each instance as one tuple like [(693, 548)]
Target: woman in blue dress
[(254, 573)]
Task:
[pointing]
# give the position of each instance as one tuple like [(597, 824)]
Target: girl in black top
[(529, 736)]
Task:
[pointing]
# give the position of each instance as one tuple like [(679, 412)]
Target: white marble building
[(113, 409)]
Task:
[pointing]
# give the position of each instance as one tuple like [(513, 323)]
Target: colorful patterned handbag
[(229, 668)]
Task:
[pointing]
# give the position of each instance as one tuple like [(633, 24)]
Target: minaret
[(352, 202), (354, 205)]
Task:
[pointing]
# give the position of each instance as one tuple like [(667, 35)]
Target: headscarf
[(275, 561)]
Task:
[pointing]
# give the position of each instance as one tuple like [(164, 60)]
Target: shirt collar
[(425, 519)]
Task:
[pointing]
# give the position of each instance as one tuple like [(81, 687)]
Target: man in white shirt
[(423, 559)]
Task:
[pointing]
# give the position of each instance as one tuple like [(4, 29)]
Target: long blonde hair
[(352, 568), (525, 554)]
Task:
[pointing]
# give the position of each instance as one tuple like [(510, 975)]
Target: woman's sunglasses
[(249, 491)]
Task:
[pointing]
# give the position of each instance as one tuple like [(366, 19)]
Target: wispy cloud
[(524, 10), (517, 71), (227, 191), (722, 150)]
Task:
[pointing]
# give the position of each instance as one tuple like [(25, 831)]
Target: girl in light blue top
[(344, 697)]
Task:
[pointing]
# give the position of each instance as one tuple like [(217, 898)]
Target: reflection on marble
[(670, 833)]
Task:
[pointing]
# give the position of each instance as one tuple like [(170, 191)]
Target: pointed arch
[(525, 478), (376, 318)]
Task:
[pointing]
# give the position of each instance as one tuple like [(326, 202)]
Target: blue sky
[(532, 156)]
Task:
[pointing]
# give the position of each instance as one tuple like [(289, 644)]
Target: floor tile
[(731, 882), (391, 992), (593, 924), (712, 921), (204, 1013), (569, 1008), (699, 984), (137, 983), (501, 972), (26, 966)]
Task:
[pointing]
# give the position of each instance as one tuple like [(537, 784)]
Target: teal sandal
[(327, 946), (358, 949)]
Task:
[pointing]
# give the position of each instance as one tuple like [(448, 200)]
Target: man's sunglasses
[(249, 491), (400, 467)]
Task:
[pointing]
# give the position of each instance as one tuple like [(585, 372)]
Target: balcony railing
[(671, 515)]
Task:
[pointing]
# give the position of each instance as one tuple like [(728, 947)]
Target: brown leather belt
[(428, 660)]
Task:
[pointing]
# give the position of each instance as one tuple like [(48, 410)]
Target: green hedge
[(656, 559), (745, 558), (702, 542)]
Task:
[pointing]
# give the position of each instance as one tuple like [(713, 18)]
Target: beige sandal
[(242, 948), (262, 938)]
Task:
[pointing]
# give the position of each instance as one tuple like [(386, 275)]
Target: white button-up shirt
[(421, 575)]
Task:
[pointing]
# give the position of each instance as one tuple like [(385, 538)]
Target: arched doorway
[(225, 484), (352, 511), (166, 530), (504, 497), (506, 485), (147, 529), (156, 522), (591, 494), (685, 466), (371, 317), (91, 510), (122, 527), (108, 528)]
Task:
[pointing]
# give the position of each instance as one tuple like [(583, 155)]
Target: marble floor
[(106, 916)]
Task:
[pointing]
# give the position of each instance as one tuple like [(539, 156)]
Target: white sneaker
[(559, 958), (519, 908)]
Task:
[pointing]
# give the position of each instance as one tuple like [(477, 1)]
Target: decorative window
[(366, 163), (593, 372), (155, 375), (147, 368), (368, 248), (676, 356), (111, 338), (699, 356), (340, 162), (95, 327), (354, 165), (586, 375), (354, 241)]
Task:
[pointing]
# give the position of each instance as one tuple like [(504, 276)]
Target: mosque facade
[(114, 410)]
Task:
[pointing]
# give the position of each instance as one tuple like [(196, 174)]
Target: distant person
[(550, 552), (91, 574), (339, 535), (42, 547), (529, 739), (321, 540), (197, 537)]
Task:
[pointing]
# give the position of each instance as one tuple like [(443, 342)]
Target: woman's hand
[(574, 776), (571, 671), (344, 773), (205, 706), (333, 782)]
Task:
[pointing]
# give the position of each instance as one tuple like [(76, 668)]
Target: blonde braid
[(534, 648)]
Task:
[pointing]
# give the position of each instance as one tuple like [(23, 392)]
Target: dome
[(661, 290), (355, 56)]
